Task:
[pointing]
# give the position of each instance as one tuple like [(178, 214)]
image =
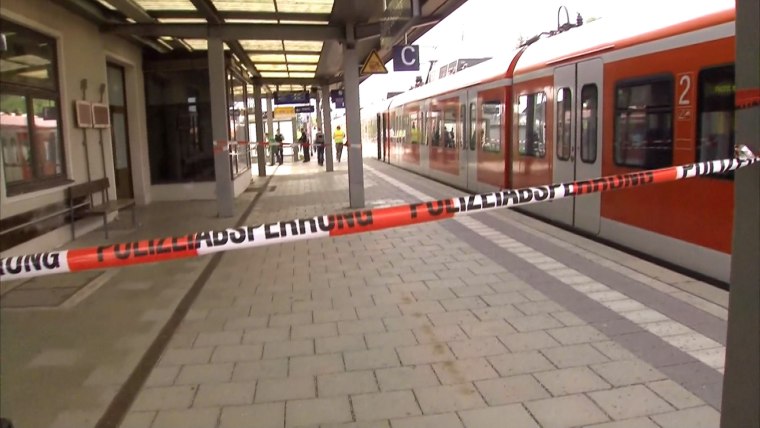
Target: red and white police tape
[(198, 244)]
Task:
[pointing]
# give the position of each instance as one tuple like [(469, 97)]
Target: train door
[(588, 135), (469, 146), (578, 140), (564, 140)]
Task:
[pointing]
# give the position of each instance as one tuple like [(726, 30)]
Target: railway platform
[(468, 322)]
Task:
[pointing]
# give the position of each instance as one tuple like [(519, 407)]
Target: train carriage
[(604, 98)]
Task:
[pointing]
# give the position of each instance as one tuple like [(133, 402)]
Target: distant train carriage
[(604, 98)]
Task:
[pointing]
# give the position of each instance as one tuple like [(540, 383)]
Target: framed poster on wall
[(83, 115)]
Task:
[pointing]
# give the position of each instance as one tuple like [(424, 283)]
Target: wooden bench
[(81, 203)]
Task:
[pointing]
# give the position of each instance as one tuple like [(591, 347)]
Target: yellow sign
[(373, 65), (284, 112)]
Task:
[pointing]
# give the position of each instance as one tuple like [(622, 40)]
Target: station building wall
[(82, 52)]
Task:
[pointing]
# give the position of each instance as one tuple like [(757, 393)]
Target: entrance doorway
[(119, 132)]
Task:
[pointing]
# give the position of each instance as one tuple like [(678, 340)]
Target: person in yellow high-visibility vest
[(339, 137), (415, 134)]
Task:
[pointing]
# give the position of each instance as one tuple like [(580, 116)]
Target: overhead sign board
[(338, 97), (304, 109), (406, 58), (373, 65), (291, 97), (284, 112)]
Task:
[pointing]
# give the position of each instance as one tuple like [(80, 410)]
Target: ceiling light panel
[(166, 4), (267, 57), (303, 58), (261, 45), (305, 6), (286, 88), (250, 21), (303, 75), (302, 67), (284, 21), (244, 5), (182, 21), (274, 74), (272, 67), (197, 44), (302, 45)]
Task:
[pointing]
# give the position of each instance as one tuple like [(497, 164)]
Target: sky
[(483, 28)]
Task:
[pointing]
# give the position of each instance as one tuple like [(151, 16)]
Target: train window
[(30, 119), (490, 128), (434, 128), (564, 121), (532, 125), (461, 120), (413, 135), (715, 138), (473, 127), (449, 125), (644, 123), (589, 122)]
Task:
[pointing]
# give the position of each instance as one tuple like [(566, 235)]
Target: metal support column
[(741, 382), (261, 153), (353, 124), (328, 127), (225, 193)]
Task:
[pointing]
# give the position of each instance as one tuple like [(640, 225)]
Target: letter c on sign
[(404, 50)]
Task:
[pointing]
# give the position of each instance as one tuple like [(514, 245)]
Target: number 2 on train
[(684, 88)]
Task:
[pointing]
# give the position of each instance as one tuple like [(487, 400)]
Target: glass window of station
[(30, 119)]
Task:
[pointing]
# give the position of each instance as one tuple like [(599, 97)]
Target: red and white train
[(600, 99)]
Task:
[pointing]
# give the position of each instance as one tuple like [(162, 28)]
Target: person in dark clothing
[(304, 141), (279, 139), (319, 141)]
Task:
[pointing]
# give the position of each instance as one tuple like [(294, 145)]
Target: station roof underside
[(284, 44)]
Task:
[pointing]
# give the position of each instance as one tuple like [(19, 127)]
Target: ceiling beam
[(93, 13), (208, 10), (232, 31), (86, 9), (132, 10), (288, 81), (285, 16)]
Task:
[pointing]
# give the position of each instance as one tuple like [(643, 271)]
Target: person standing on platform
[(339, 137), (319, 141), (278, 149), (304, 141)]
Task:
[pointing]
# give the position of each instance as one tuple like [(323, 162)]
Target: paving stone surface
[(449, 324)]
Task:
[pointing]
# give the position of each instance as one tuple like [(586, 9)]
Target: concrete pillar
[(741, 381), (353, 128), (270, 118), (270, 125), (294, 124), (328, 127), (261, 153), (318, 113), (225, 193)]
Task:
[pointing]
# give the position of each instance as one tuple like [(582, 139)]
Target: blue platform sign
[(291, 97), (406, 58), (304, 109), (337, 96)]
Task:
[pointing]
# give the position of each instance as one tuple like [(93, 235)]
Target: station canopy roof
[(287, 44)]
